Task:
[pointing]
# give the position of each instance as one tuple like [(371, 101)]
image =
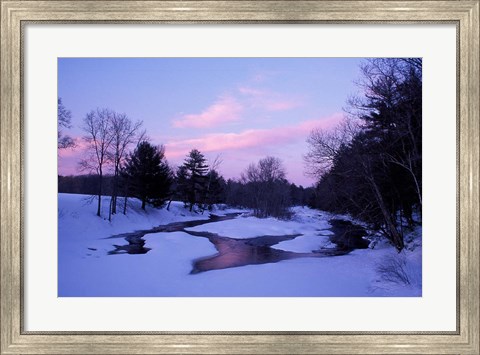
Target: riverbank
[(165, 269)]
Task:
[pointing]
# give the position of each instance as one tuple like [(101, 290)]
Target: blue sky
[(242, 109)]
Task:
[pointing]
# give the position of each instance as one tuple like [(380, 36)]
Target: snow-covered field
[(86, 269)]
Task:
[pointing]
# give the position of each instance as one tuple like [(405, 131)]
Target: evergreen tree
[(214, 192), (181, 185), (149, 175), (194, 171)]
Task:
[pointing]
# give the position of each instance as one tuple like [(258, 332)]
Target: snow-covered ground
[(86, 269)]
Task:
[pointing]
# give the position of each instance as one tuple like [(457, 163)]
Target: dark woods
[(370, 166)]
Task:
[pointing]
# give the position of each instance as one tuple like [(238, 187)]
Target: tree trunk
[(110, 210), (114, 204), (410, 169), (99, 194), (143, 204), (126, 189), (115, 191), (395, 237)]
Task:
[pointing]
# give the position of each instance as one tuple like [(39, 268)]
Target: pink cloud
[(225, 109), (219, 142), (230, 107), (80, 145), (68, 159)]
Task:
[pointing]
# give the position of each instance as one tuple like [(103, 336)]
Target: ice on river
[(305, 244), (86, 269), (306, 221)]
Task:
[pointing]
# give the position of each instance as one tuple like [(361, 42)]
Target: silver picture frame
[(16, 14)]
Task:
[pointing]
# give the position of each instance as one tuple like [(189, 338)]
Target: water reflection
[(233, 252), (136, 242), (239, 252)]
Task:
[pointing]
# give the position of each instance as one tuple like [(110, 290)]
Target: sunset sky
[(242, 109)]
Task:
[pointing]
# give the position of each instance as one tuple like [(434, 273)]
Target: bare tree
[(267, 188), (98, 137), (271, 169), (124, 134), (325, 144), (394, 269), (251, 180)]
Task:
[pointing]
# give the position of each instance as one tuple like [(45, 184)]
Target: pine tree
[(195, 169), (214, 192), (149, 175), (182, 183)]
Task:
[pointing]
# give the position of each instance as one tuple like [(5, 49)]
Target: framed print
[(240, 177)]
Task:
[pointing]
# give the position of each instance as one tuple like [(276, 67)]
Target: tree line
[(147, 176), (370, 165)]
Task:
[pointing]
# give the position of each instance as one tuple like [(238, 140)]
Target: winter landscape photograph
[(239, 177)]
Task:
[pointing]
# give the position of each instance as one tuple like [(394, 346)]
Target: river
[(233, 252)]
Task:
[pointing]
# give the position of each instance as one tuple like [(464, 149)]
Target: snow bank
[(305, 222), (305, 244), (164, 271), (86, 269)]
